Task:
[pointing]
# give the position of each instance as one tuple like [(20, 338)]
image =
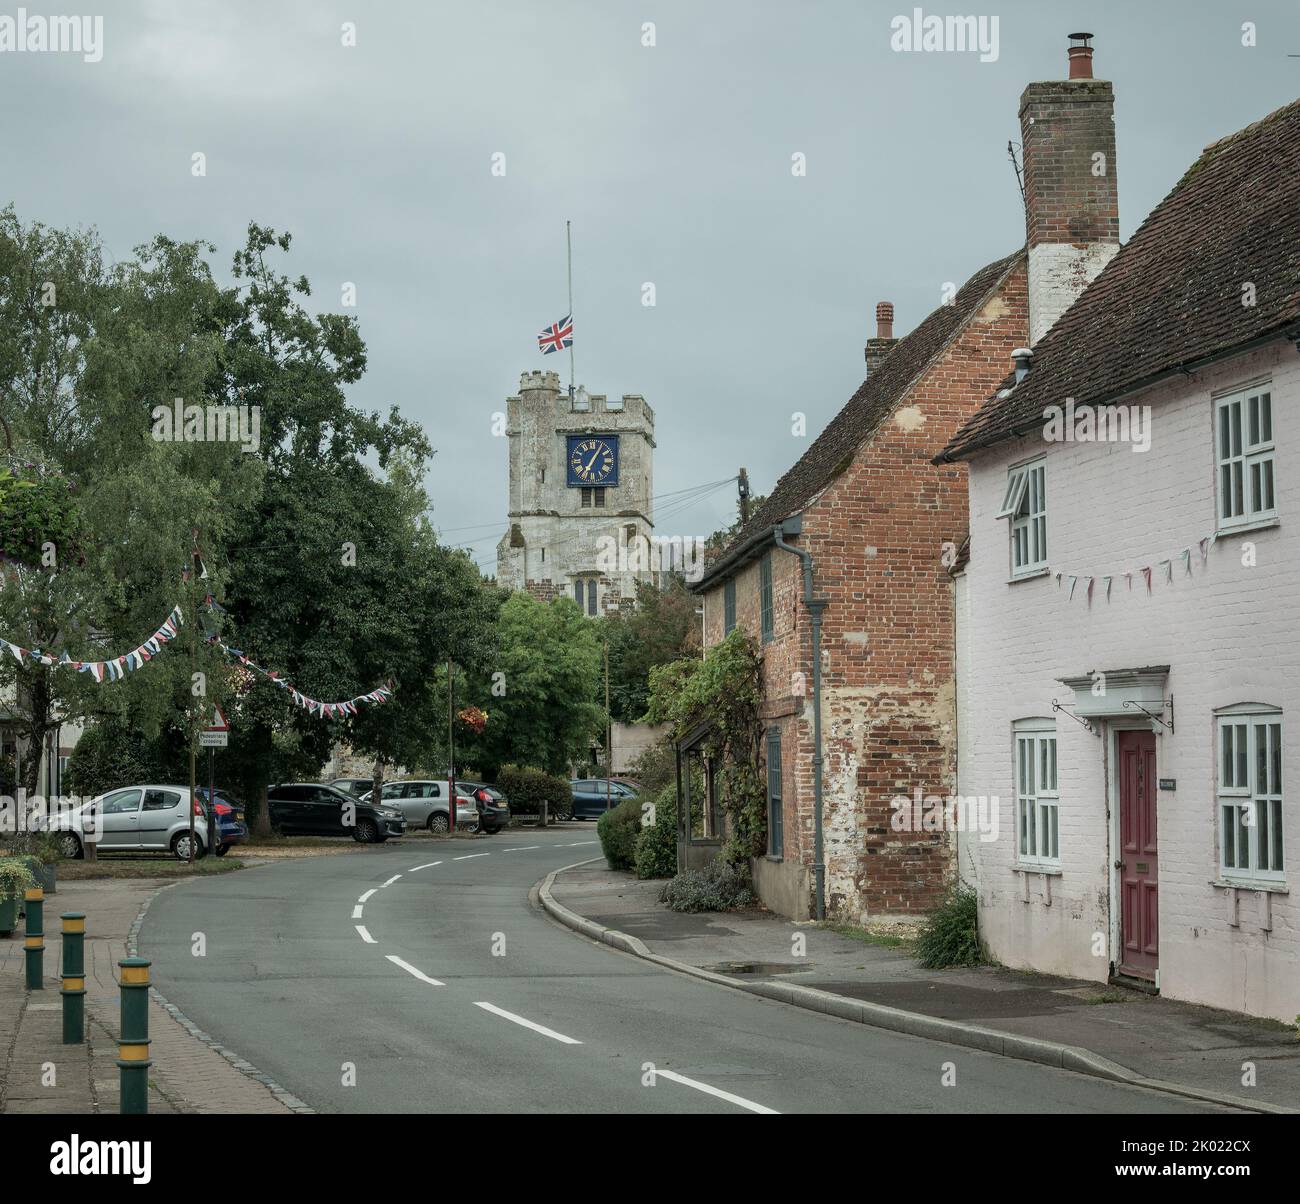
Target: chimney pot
[(1080, 56), (885, 320)]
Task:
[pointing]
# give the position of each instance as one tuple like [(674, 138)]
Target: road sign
[(217, 733)]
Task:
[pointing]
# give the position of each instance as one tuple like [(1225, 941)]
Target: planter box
[(8, 914)]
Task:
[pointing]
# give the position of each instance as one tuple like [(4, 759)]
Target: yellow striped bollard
[(34, 902), (74, 977)]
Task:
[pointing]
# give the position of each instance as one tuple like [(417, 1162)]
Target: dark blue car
[(231, 829)]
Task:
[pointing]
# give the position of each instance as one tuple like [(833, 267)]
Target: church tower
[(581, 488)]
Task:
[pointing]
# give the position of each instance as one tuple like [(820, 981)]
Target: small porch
[(700, 828)]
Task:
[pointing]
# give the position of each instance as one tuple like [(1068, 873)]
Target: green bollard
[(133, 1043), (35, 943), (74, 977)]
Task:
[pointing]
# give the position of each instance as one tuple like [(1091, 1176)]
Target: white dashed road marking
[(390, 882), (522, 848), (468, 856), (537, 1028), (367, 895), (428, 865), (356, 912), (740, 1101), (365, 936), (410, 969)]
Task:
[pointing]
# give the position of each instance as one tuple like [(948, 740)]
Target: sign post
[(215, 735)]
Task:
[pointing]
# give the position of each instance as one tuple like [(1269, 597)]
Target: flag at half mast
[(557, 336)]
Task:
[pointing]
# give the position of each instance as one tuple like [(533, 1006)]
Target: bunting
[(113, 669), (313, 706), (1164, 564)]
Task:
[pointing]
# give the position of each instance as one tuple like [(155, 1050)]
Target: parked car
[(135, 818), (315, 809), (591, 799), (493, 806), (358, 786), (231, 829), (423, 804)]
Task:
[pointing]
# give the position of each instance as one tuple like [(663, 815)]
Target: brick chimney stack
[(1071, 194), (877, 348)]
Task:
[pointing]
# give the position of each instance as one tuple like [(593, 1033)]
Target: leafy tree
[(550, 659), (662, 628), (85, 354)]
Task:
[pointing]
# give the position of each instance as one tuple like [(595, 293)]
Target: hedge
[(525, 788), (618, 830), (656, 846)]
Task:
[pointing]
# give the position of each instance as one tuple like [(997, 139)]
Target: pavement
[(425, 977), (40, 1074), (1109, 1031)]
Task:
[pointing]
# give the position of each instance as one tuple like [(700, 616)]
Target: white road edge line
[(365, 896), (428, 865), (468, 856), (717, 1091), (365, 936), (537, 1028), (522, 848), (410, 969), (356, 912), (390, 882)]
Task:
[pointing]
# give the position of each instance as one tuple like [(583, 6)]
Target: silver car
[(134, 818), (423, 804)]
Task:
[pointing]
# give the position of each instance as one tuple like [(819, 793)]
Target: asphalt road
[(378, 982)]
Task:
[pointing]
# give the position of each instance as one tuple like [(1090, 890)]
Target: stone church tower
[(581, 484)]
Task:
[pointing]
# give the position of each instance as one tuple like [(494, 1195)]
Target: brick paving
[(188, 1075)]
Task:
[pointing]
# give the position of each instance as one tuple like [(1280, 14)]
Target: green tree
[(662, 628), (547, 672)]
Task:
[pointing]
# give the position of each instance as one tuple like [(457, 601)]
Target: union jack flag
[(557, 336)]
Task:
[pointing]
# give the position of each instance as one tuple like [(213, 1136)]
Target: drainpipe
[(815, 606)]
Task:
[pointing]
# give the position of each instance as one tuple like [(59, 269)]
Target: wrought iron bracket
[(1084, 723), (1157, 716)]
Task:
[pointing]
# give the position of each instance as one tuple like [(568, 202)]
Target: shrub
[(15, 878), (720, 886), (656, 846), (526, 788), (655, 768), (950, 936), (618, 831)]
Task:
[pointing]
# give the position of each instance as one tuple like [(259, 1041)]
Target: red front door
[(1138, 866)]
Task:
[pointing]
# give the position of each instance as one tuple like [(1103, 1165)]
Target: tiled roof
[(833, 450), (1173, 296)]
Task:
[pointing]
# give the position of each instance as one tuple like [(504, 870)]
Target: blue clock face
[(592, 460)]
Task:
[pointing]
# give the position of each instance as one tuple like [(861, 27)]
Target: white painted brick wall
[(1229, 633)]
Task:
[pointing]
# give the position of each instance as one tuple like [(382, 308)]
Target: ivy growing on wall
[(724, 690)]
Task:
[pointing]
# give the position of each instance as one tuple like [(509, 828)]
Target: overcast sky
[(673, 162)]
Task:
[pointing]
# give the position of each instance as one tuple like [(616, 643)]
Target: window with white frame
[(1244, 450), (1025, 504), (1250, 793), (1037, 800)]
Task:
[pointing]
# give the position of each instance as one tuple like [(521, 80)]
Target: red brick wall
[(876, 534)]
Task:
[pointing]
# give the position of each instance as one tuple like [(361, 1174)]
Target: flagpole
[(568, 240)]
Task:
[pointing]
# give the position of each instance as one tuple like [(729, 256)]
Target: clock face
[(593, 460)]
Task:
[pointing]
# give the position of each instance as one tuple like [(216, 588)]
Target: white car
[(134, 818), (423, 804)]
